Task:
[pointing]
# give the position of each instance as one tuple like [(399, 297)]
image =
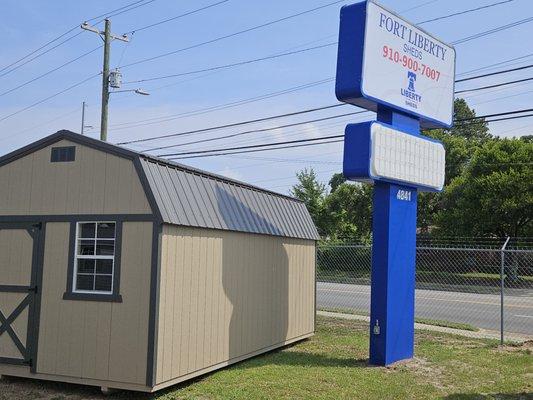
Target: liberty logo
[(412, 98), (411, 76)]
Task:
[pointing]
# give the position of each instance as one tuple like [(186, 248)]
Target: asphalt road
[(480, 310)]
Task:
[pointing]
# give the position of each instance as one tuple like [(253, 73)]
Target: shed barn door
[(19, 245)]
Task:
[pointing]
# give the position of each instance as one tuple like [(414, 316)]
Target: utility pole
[(106, 36), (83, 126), (105, 81), (82, 117)]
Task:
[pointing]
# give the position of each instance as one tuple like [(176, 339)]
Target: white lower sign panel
[(401, 157)]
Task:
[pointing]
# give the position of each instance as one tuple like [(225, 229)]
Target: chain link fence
[(458, 281)]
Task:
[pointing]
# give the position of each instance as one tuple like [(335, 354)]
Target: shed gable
[(93, 182)]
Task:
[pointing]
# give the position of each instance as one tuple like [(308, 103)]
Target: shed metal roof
[(192, 197)]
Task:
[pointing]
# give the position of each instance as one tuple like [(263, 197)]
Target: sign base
[(393, 274)]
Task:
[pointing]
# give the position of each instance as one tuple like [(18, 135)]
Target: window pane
[(86, 266), (86, 247), (104, 266), (103, 283), (85, 282), (87, 230), (106, 230), (105, 247)]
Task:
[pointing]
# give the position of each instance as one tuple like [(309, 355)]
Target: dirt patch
[(12, 388), (526, 347), (423, 368)]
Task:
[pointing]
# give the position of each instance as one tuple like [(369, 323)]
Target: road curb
[(481, 334)]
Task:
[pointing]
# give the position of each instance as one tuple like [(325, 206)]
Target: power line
[(117, 11), (495, 73), (236, 64), (262, 119), (234, 124), (419, 6), (198, 152), (290, 53), (50, 97), (494, 86), (251, 146), (464, 12), (39, 48), (496, 64), (49, 72), (174, 18), (122, 10), (41, 124), (219, 107), (40, 54), (257, 150), (494, 30), (257, 131), (233, 34)]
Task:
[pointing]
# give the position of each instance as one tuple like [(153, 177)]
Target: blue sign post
[(390, 66)]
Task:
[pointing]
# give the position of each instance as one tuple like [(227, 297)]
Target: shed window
[(94, 257)]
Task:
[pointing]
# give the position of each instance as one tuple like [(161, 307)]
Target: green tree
[(460, 143), (349, 211), (494, 195), (336, 180), (313, 194), (470, 129)]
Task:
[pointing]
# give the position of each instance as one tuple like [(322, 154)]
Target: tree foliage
[(494, 195), (488, 188)]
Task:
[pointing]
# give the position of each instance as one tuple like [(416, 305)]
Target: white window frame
[(93, 257)]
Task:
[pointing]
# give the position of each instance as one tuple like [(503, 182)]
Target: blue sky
[(27, 25)]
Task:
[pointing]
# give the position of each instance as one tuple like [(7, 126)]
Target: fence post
[(502, 286)]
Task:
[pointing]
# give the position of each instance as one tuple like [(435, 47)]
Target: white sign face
[(398, 156), (406, 67)]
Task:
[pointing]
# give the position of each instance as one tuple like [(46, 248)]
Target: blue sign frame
[(394, 204), (350, 58), (358, 149)]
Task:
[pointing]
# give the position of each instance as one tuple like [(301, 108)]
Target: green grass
[(427, 321), (333, 365)]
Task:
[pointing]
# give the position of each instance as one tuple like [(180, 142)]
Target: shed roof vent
[(63, 154)]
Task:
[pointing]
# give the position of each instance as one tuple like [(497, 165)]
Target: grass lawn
[(333, 365)]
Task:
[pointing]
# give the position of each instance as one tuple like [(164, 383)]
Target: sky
[(236, 94)]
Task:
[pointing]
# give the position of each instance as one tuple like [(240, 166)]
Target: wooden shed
[(125, 271)]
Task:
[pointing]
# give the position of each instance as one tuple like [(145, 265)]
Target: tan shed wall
[(96, 340), (95, 183), (227, 295)]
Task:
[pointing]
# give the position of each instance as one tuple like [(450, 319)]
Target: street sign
[(383, 59), (387, 65), (374, 151)]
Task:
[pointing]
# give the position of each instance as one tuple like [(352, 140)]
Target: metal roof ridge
[(215, 176)]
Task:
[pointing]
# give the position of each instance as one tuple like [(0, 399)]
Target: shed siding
[(96, 340), (225, 294), (95, 183)]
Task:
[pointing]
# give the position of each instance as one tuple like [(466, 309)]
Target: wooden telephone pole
[(107, 37)]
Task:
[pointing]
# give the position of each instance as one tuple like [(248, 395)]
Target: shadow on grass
[(303, 359), (496, 396)]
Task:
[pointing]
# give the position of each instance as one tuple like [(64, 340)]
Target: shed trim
[(157, 230)]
